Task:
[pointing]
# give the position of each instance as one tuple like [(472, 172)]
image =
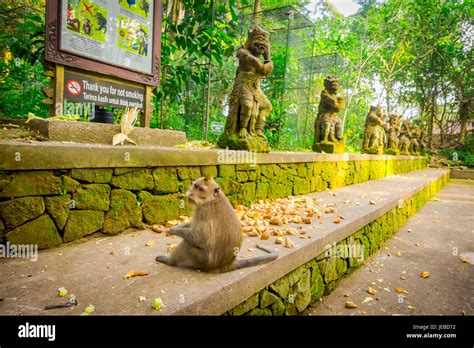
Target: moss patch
[(98, 176), (135, 181), (68, 184), (82, 223), (92, 197), (166, 180), (209, 171), (17, 211), (124, 212), (40, 231), (227, 171), (58, 209), (189, 173), (32, 183), (159, 209)]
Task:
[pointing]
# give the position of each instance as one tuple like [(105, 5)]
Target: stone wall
[(294, 292), (50, 207)]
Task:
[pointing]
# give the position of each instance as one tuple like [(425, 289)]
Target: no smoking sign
[(74, 87)]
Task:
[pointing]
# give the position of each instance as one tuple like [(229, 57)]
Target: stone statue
[(328, 126), (423, 142), (249, 107), (415, 135), (404, 143), (374, 134), (393, 132)]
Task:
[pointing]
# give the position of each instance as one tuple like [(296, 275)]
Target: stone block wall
[(50, 207), (293, 293)]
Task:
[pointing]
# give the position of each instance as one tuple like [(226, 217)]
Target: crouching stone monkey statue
[(249, 107), (328, 126)]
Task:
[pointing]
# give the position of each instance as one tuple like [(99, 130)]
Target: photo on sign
[(87, 19), (133, 36), (139, 7)]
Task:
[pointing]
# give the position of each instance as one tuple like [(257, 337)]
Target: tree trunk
[(256, 9), (465, 109)]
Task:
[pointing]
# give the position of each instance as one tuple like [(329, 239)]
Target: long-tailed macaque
[(212, 240)]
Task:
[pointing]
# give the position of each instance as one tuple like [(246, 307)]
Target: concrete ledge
[(462, 174), (93, 270), (56, 155), (101, 133)]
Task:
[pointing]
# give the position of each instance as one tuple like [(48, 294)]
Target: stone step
[(93, 271)]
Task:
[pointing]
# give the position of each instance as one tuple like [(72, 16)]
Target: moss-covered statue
[(328, 126), (393, 132), (415, 135), (249, 107), (404, 143), (374, 134), (423, 142)]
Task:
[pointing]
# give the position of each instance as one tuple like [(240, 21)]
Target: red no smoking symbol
[(74, 87)]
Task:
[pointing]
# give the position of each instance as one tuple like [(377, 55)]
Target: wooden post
[(58, 90), (147, 108)]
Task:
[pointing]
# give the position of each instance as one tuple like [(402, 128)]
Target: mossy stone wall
[(294, 292), (73, 203)]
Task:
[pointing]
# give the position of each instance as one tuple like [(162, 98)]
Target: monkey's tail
[(254, 261)]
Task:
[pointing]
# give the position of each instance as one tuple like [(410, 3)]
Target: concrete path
[(94, 270), (436, 240)]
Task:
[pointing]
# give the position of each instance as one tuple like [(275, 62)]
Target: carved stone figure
[(415, 135), (404, 143), (393, 131), (423, 142), (374, 135), (328, 126), (249, 107)]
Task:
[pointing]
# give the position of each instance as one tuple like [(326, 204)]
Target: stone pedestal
[(392, 152), (329, 147), (234, 142)]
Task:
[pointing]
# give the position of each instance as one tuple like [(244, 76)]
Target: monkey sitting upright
[(212, 240)]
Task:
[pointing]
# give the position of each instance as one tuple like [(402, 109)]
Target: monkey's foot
[(243, 133), (163, 259), (260, 133), (326, 142)]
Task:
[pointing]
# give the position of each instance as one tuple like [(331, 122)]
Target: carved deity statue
[(415, 135), (249, 107), (423, 142), (328, 126), (405, 135), (374, 134), (393, 131)]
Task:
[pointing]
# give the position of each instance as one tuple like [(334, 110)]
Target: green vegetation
[(411, 57)]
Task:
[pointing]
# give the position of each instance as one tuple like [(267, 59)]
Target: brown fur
[(212, 240)]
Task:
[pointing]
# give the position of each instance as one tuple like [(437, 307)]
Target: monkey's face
[(202, 191)]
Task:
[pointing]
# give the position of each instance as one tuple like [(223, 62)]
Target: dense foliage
[(412, 57)]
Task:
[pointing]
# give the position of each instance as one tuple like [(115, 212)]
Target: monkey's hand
[(180, 230), (243, 133), (183, 225), (260, 133)]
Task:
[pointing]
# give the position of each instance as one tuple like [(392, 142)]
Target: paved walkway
[(436, 240), (94, 270)]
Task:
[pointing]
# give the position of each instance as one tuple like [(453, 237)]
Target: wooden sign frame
[(100, 69), (54, 54)]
